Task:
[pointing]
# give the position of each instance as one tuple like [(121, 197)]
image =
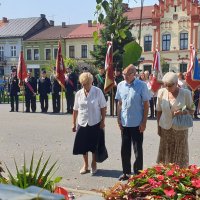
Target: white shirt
[(89, 107)]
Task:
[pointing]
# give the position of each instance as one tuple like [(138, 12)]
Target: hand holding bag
[(182, 121)]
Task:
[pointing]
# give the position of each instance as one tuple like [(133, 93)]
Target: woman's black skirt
[(86, 139)]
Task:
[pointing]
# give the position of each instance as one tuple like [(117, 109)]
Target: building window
[(28, 54), (71, 52), (55, 52), (83, 51), (183, 67), (183, 41), (13, 51), (1, 53), (48, 54), (147, 43), (36, 54), (166, 40)]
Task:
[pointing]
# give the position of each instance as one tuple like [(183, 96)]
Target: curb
[(83, 192)]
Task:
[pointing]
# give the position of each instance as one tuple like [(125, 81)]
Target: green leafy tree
[(111, 15)]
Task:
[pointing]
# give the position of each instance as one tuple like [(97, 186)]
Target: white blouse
[(89, 107), (184, 98)]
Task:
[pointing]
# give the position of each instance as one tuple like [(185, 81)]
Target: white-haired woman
[(170, 101), (90, 109)]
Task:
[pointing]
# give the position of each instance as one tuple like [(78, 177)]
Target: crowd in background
[(44, 86)]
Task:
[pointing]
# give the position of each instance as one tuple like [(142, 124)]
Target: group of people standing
[(132, 95), (42, 87)]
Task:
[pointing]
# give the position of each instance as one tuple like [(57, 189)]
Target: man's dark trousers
[(132, 135)]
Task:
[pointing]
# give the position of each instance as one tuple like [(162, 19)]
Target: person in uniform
[(44, 88), (30, 86), (55, 91), (99, 80), (71, 87), (14, 90)]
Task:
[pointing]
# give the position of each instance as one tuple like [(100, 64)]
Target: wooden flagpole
[(112, 92)]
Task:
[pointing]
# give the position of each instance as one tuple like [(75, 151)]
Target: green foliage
[(38, 177), (70, 62), (2, 179), (132, 53), (111, 15)]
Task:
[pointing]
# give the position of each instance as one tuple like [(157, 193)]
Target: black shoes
[(11, 110), (124, 177)]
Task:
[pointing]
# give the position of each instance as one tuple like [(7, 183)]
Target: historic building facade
[(171, 27)]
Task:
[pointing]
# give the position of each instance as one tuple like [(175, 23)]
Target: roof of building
[(1, 23), (18, 27), (134, 13), (83, 31), (54, 32)]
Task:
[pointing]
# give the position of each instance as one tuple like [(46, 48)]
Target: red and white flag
[(60, 67), (21, 69), (155, 82), (194, 84), (109, 80)]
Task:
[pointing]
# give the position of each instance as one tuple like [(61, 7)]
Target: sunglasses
[(169, 85)]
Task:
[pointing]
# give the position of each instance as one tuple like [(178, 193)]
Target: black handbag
[(101, 151)]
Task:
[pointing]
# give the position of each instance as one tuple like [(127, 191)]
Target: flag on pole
[(191, 75), (60, 68), (109, 80), (21, 69), (156, 80), (196, 71)]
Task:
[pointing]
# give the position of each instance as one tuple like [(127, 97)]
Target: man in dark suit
[(30, 85), (56, 91), (44, 88), (71, 87), (14, 90)]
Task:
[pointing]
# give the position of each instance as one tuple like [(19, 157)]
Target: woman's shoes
[(93, 171), (84, 171)]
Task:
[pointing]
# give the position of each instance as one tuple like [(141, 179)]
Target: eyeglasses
[(169, 85), (127, 74)]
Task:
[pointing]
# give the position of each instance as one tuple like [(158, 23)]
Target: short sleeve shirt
[(132, 96), (89, 107)]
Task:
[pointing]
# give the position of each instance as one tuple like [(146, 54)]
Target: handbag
[(101, 151), (182, 122)]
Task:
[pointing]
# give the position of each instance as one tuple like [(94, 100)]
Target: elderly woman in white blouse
[(173, 142), (90, 110)]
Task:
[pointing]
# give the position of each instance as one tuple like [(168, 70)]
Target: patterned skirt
[(174, 147)]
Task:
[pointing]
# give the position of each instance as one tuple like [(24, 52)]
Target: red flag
[(188, 77), (155, 84), (60, 68), (109, 80), (21, 69)]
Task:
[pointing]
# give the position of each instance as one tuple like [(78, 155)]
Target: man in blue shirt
[(133, 105)]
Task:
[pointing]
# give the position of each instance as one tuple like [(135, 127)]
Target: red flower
[(169, 192), (196, 182), (170, 172), (160, 177), (194, 169), (158, 168)]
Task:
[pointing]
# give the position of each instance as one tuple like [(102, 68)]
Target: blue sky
[(69, 11)]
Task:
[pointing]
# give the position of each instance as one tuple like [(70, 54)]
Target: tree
[(114, 22)]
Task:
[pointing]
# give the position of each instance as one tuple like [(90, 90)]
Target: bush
[(159, 182)]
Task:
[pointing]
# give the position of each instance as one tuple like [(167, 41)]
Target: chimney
[(125, 6), (5, 19), (42, 16), (63, 25), (51, 22), (89, 23)]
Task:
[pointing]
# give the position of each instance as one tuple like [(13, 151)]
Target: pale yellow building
[(172, 26)]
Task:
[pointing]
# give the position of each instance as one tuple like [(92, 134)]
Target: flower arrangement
[(159, 182)]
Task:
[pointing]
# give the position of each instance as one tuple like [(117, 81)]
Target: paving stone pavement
[(51, 133)]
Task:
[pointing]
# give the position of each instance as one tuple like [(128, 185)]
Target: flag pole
[(112, 92), (23, 91), (62, 99)]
